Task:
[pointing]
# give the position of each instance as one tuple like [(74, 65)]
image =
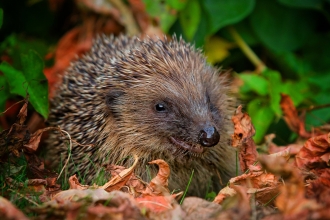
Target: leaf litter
[(292, 182), (288, 184)]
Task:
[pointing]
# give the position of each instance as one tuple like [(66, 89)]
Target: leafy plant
[(28, 81), (292, 37)]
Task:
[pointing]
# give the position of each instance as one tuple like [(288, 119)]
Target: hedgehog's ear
[(112, 97)]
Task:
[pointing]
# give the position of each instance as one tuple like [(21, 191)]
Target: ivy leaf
[(223, 13), (257, 83), (38, 88), (31, 81), (190, 18), (15, 79)]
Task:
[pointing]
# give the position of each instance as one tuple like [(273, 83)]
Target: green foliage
[(222, 13), (165, 11), (293, 36), (30, 80), (264, 91), (190, 17), (267, 23)]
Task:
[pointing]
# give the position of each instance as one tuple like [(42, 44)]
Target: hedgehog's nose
[(209, 136)]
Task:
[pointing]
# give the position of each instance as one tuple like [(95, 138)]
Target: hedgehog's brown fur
[(107, 99)]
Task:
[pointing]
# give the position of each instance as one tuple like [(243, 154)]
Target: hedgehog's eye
[(160, 107)]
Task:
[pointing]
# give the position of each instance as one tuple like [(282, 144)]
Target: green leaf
[(4, 92), (275, 89), (262, 116), (177, 4), (257, 83), (15, 79), (1, 17), (15, 45), (37, 83), (312, 4), (190, 18), (281, 28), (152, 7), (31, 81), (223, 13), (298, 91)]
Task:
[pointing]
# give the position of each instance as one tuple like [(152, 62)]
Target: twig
[(69, 155), (260, 66), (12, 106), (314, 107)]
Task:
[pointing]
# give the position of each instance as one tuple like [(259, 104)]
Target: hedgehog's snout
[(209, 136)]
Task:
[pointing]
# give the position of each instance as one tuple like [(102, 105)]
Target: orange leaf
[(242, 138), (315, 153)]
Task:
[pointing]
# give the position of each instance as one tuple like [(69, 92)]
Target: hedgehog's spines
[(108, 99)]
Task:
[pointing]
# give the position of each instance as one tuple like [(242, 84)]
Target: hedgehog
[(153, 98)]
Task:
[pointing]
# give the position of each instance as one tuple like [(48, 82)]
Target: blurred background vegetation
[(271, 47)]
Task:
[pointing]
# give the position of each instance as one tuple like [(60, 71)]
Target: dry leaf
[(156, 203), (315, 153), (159, 184), (74, 183), (120, 180), (291, 200), (242, 138), (197, 208), (290, 115)]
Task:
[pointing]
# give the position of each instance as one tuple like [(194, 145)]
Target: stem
[(260, 66)]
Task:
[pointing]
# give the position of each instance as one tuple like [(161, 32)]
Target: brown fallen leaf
[(23, 112), (282, 151), (12, 140), (134, 184), (155, 203), (264, 186), (33, 143), (290, 114), (119, 205), (120, 180), (74, 183), (197, 208), (9, 211), (223, 194), (315, 153), (158, 186), (91, 204), (242, 138), (291, 201)]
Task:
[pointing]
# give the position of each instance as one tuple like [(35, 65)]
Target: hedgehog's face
[(182, 113)]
